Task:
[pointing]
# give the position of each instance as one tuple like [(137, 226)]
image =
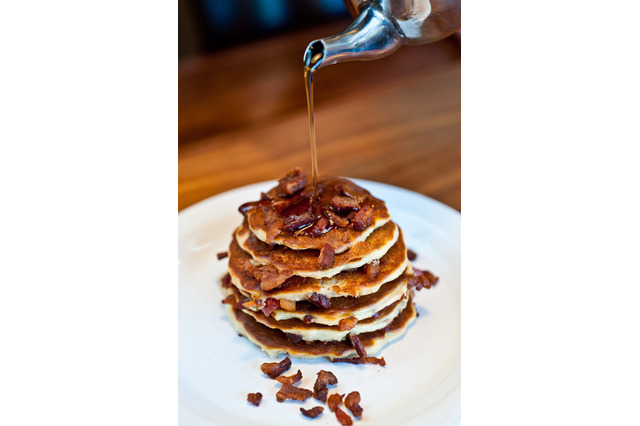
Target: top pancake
[(298, 223)]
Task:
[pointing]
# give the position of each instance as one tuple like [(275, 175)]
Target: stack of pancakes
[(320, 275)]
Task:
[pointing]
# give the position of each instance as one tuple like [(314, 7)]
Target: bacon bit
[(320, 389), (251, 304), (293, 338), (363, 219), (319, 300), (229, 300), (422, 279), (254, 398), (296, 222), (320, 227), (274, 369), (288, 391), (368, 360), (308, 319), (269, 277), (347, 323), (336, 219), (334, 401), (343, 204), (411, 255), (288, 305), (270, 305), (294, 181), (313, 413), (357, 345), (327, 257), (372, 268), (222, 255), (352, 401), (343, 418), (226, 280), (347, 189), (272, 222), (292, 380)]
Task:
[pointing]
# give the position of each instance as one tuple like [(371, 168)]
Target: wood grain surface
[(243, 118)]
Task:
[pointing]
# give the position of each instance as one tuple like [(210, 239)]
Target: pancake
[(352, 282), (340, 238), (304, 263), (321, 332), (275, 342)]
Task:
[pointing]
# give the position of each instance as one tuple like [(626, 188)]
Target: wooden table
[(243, 117)]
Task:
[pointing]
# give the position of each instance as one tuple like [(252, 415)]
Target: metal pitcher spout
[(371, 36)]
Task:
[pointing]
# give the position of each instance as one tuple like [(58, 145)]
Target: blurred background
[(242, 107)]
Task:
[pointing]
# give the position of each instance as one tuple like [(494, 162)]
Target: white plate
[(217, 369)]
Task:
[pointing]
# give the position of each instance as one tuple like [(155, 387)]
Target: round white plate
[(217, 369)]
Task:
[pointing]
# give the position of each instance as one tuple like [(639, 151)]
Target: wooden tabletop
[(243, 117)]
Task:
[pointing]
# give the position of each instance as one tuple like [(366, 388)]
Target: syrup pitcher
[(382, 26)]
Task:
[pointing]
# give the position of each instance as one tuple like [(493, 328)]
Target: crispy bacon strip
[(372, 268), (222, 255), (288, 391), (357, 345), (342, 204), (363, 219), (422, 279), (336, 219), (272, 222), (270, 305), (254, 398), (274, 369), (292, 380), (320, 389), (320, 227), (352, 401), (313, 412), (343, 418), (269, 277), (368, 360), (334, 401), (411, 255), (226, 280), (293, 223), (319, 300), (294, 181), (327, 257)]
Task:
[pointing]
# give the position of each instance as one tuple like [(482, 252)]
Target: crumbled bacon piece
[(250, 304), (372, 268), (327, 257), (293, 182), (229, 300), (226, 280), (292, 380), (349, 190), (295, 222), (347, 323), (411, 255), (293, 338), (274, 369), (334, 401), (270, 305), (272, 222), (319, 300), (288, 305), (269, 277), (368, 360), (313, 412), (308, 319), (336, 219), (288, 391), (254, 398), (357, 345), (352, 401), (343, 418), (422, 279), (319, 227), (343, 204), (222, 255), (320, 389), (363, 219)]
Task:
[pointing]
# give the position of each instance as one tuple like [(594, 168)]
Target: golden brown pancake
[(321, 332), (275, 342), (304, 263), (352, 282), (340, 238)]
